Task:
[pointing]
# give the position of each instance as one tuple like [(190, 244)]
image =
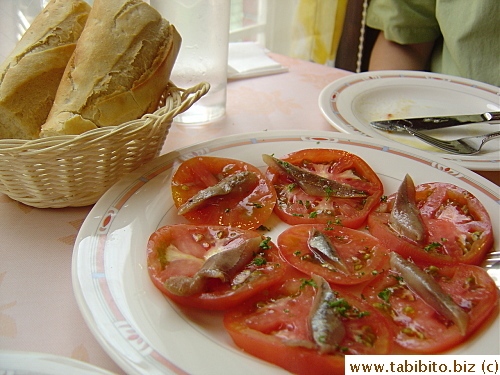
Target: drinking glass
[(204, 28)]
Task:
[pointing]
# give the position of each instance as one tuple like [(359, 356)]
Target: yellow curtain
[(317, 29)]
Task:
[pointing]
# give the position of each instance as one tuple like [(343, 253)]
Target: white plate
[(147, 334), (29, 363), (351, 102)]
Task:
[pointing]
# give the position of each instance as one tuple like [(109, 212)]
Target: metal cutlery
[(466, 145), (435, 122)]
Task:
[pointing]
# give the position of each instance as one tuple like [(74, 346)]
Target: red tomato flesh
[(180, 250), (242, 209), (458, 226), (416, 325), (273, 326), (294, 206), (362, 254)]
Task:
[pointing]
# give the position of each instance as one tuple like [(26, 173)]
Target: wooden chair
[(357, 39)]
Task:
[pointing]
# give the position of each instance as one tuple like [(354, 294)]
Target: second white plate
[(31, 363), (350, 103)]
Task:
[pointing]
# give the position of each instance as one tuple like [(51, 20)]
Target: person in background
[(455, 37)]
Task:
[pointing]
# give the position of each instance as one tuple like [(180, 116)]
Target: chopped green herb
[(432, 245), (259, 261), (398, 278), (264, 245), (306, 282), (328, 190), (385, 294), (330, 224)]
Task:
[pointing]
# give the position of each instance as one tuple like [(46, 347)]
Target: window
[(248, 21), (268, 22)]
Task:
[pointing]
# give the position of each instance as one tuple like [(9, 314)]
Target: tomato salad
[(323, 186), (222, 191), (456, 226), (343, 256), (211, 267), (355, 272), (277, 327), (469, 294)]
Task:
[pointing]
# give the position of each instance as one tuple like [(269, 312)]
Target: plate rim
[(96, 214), (325, 98)]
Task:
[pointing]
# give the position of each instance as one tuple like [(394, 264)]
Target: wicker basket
[(75, 170)]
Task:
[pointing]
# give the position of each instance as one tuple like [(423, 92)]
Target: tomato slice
[(275, 328), (360, 255), (458, 226), (295, 206), (181, 251), (416, 325), (246, 208)]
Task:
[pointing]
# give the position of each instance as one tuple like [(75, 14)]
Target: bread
[(118, 71), (30, 75)]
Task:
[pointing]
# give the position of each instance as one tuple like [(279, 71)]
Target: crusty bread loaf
[(30, 75), (118, 71)]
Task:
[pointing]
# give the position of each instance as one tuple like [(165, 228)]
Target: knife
[(429, 123)]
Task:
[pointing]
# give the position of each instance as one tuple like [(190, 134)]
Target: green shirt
[(467, 33)]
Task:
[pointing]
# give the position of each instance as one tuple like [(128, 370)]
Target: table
[(38, 312)]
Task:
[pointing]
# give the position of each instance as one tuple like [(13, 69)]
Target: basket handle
[(189, 97)]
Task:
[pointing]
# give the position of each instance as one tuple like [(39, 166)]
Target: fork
[(466, 145)]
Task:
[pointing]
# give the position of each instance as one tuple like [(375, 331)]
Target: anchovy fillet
[(237, 182), (405, 216), (312, 183), (431, 292), (222, 265), (327, 328), (322, 248)]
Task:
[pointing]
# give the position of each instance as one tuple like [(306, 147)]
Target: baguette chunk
[(30, 75), (118, 71)]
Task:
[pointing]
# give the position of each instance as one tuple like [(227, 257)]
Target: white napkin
[(249, 59)]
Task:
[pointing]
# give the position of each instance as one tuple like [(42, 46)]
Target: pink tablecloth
[(38, 311), (275, 102)]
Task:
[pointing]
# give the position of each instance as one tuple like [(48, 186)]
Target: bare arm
[(388, 55)]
